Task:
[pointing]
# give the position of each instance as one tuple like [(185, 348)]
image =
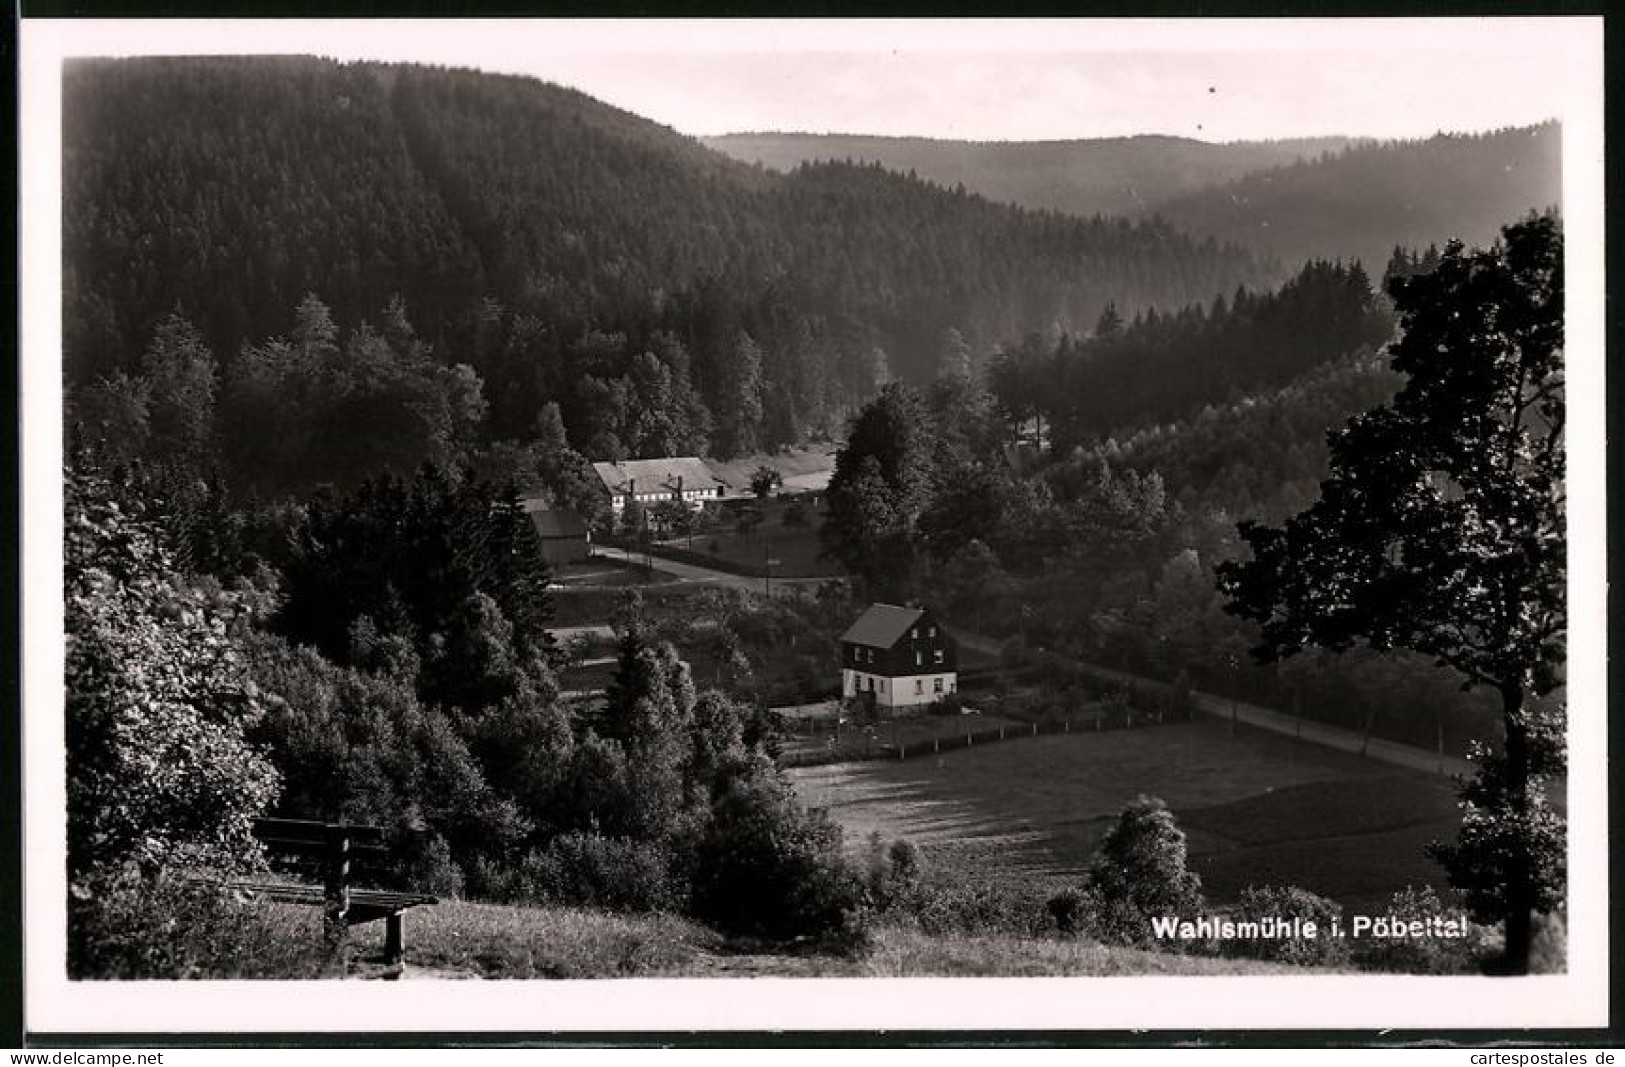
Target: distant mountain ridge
[(1362, 202), (1097, 176), (1329, 198), (550, 241)]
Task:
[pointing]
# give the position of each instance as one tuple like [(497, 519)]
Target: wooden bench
[(333, 846)]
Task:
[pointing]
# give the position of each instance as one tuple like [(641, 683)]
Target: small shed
[(564, 534)]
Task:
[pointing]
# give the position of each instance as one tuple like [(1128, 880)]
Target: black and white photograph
[(1069, 524)]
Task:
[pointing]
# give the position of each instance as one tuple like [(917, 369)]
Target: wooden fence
[(932, 746)]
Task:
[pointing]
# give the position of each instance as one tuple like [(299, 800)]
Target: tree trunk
[(1519, 884)]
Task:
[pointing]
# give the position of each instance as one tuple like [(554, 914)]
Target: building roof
[(882, 625), (558, 524), (658, 475)]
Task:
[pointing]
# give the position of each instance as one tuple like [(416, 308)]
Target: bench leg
[(395, 937)]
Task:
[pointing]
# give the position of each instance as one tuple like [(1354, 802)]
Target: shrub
[(947, 903), (123, 926), (1070, 911), (425, 863), (1140, 873), (158, 703), (893, 874), (951, 704), (764, 866), (1549, 945), (612, 873), (1283, 904), (1423, 955)]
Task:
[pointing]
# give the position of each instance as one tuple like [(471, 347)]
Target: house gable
[(898, 642)]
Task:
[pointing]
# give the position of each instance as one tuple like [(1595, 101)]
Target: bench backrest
[(310, 838)]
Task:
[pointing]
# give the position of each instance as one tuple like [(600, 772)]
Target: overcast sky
[(985, 79)]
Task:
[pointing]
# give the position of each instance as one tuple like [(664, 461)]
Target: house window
[(915, 633), (937, 655), (919, 686), (936, 685), (882, 685), (932, 632), (919, 658)]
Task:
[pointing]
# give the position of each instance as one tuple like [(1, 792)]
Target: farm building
[(564, 534), (902, 657), (649, 481)]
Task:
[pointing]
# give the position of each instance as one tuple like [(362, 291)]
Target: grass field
[(1257, 808), (463, 940), (602, 572), (795, 548)]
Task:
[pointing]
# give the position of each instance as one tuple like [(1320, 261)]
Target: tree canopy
[(1441, 530)]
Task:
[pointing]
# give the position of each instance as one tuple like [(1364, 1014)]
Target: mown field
[(1257, 808), (796, 550)]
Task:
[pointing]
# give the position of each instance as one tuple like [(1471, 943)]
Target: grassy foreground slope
[(466, 940), (183, 932), (490, 941)]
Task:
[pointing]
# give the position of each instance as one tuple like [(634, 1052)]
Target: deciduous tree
[(1441, 530)]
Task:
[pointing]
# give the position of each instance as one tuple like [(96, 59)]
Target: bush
[(951, 704), (1140, 873), (1283, 904), (591, 871), (1070, 911), (124, 926), (158, 703), (425, 864), (893, 874), (948, 904), (1424, 955), (764, 866), (1549, 945)]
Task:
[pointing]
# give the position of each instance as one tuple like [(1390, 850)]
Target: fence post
[(968, 741), (936, 744)]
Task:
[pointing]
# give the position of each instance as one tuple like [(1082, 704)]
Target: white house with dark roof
[(649, 481), (901, 657)]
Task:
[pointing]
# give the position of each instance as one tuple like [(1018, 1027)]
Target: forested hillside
[(1103, 176), (1362, 202), (551, 243), (1161, 367)]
